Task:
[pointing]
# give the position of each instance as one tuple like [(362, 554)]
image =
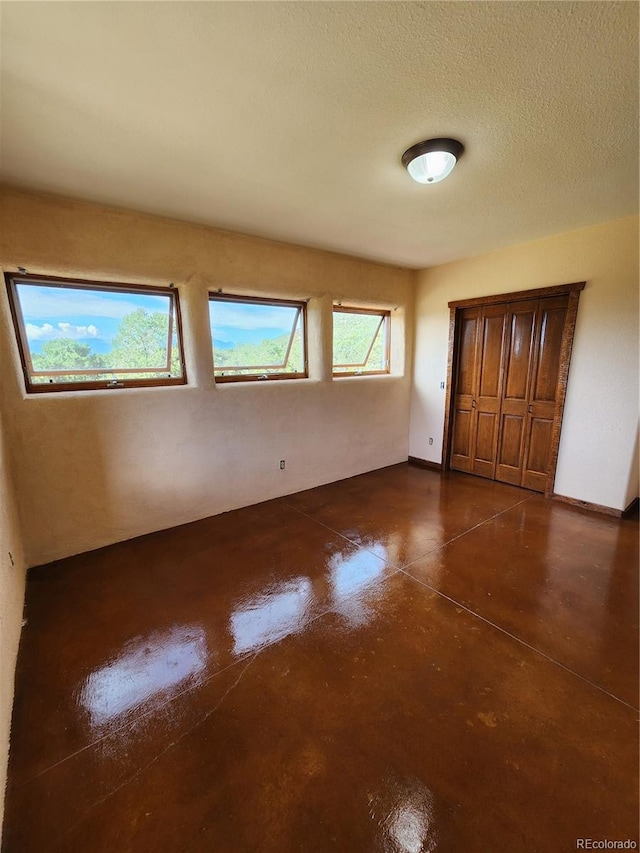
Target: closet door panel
[(511, 443), (463, 410), (552, 323), (490, 361), (522, 317), (489, 378), (467, 352), (462, 434), (519, 352), (538, 454), (544, 393), (485, 430)]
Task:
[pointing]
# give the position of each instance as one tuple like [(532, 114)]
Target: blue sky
[(235, 322), (91, 317)]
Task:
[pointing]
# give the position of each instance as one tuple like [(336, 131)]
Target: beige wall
[(11, 603), (97, 467), (598, 448)]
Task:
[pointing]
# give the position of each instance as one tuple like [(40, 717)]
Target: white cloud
[(47, 332)]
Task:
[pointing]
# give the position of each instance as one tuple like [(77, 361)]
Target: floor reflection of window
[(146, 667), (354, 573), (351, 575), (272, 615)]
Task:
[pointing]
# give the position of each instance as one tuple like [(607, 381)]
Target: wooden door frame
[(455, 308)]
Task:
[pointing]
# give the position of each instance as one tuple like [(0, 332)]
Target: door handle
[(473, 404), (530, 409)]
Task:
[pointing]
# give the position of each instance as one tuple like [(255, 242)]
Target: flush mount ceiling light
[(431, 161)]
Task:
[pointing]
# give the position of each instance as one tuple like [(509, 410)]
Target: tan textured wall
[(598, 448), (11, 603), (97, 467)]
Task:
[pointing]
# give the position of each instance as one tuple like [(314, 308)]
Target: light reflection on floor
[(271, 616), (354, 573), (403, 808), (351, 576), (280, 610), (147, 667)]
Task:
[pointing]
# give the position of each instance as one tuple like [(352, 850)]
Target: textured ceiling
[(288, 119)]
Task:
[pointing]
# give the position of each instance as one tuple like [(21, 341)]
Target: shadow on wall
[(633, 490), (12, 585)]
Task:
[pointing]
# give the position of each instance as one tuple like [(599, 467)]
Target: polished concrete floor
[(401, 662)]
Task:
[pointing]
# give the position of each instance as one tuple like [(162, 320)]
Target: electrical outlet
[(442, 386), (430, 441), (282, 464)]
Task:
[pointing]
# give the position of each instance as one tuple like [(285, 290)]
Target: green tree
[(270, 351), (141, 341), (352, 336), (63, 354)]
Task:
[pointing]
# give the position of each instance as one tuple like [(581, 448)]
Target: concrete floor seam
[(251, 658), (521, 642), (465, 532), (421, 556), (337, 533), (137, 718), (167, 749)]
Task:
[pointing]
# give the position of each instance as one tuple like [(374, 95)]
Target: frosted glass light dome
[(431, 161)]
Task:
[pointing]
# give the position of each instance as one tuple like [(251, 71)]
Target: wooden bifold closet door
[(507, 389)]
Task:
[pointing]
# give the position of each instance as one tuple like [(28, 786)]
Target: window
[(360, 341), (257, 338), (77, 335)]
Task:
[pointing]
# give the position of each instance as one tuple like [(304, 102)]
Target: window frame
[(385, 324), (14, 278), (300, 304)]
